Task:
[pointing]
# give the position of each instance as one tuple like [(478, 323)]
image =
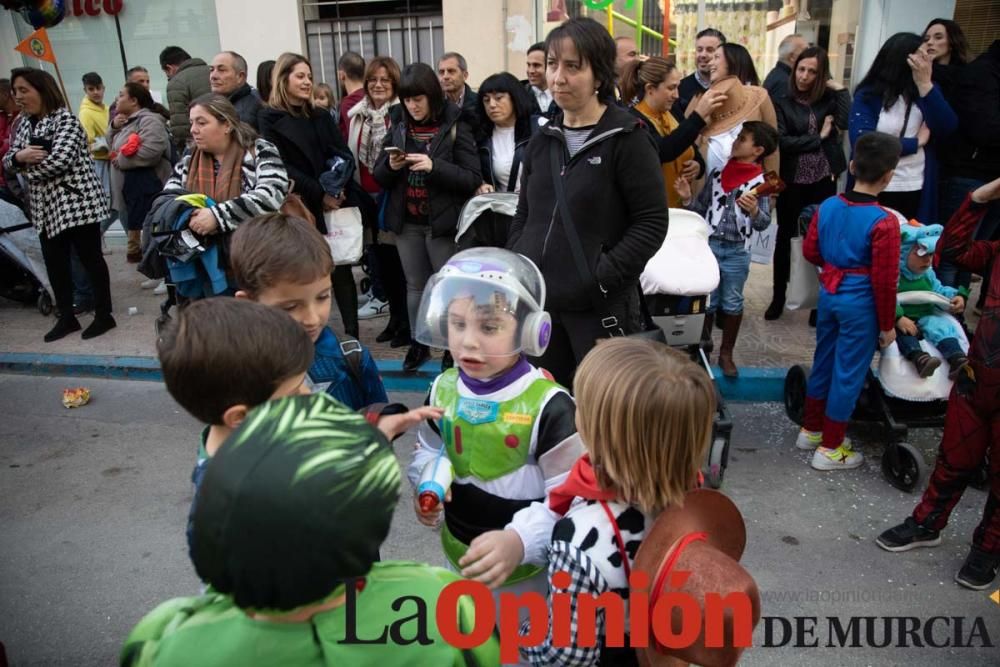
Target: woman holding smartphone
[(430, 168), (67, 202)]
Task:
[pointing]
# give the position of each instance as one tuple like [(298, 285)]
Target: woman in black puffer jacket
[(429, 177), (809, 120), (610, 173)]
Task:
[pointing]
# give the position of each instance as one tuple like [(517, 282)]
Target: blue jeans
[(948, 347), (953, 192), (734, 267)]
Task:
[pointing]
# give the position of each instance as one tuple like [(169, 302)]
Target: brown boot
[(134, 253), (730, 331), (707, 343)]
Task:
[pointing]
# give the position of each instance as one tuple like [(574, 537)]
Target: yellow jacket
[(94, 119)]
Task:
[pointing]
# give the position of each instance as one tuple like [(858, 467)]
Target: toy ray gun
[(772, 185)]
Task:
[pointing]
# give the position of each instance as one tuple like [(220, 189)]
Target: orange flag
[(37, 45)]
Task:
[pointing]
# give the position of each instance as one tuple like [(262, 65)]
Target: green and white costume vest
[(487, 440)]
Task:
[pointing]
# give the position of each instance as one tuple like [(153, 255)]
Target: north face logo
[(594, 160)]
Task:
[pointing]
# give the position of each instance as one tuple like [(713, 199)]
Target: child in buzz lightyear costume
[(916, 274), (508, 429)]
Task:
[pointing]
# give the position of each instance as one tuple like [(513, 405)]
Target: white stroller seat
[(684, 265), (898, 376), (679, 277), (503, 203)]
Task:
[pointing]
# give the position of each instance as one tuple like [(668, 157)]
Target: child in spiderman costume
[(972, 423), (855, 242)]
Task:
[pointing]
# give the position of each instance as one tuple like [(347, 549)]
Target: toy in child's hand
[(772, 185), (435, 479), (76, 397)]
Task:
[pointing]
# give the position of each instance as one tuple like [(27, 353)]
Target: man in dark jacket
[(776, 82), (542, 103), (228, 77), (971, 156), (453, 72), (705, 45), (187, 79), (615, 193)]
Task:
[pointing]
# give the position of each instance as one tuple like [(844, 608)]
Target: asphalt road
[(94, 502)]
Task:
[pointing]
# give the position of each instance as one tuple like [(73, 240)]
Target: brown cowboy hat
[(704, 537), (741, 101)]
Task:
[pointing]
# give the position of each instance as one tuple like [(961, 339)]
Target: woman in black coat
[(430, 168), (505, 126), (812, 156), (306, 137)]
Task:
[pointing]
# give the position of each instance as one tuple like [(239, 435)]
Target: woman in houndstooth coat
[(66, 200)]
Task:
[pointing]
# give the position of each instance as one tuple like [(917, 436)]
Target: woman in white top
[(898, 97), (505, 126)]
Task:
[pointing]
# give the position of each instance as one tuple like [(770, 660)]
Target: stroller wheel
[(718, 458), (903, 466), (45, 303), (795, 393)]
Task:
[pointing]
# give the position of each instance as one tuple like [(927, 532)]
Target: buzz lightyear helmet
[(496, 280), (923, 237)]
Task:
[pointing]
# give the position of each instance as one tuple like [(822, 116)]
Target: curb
[(755, 385)]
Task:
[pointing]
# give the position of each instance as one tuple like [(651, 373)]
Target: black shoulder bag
[(609, 323)]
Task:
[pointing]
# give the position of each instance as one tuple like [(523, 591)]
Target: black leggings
[(346, 294), (393, 284), (86, 240), (790, 204)]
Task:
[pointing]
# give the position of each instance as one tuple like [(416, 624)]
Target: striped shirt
[(576, 137)]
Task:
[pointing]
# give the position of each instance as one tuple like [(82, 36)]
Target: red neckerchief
[(580, 483), (735, 174)]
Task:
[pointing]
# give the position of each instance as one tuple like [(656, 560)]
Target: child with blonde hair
[(644, 413)]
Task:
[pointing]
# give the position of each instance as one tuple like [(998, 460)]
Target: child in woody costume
[(508, 429), (644, 413), (916, 274), (855, 242), (289, 520), (970, 437)]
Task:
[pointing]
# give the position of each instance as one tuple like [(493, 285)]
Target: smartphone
[(394, 150), (44, 144)]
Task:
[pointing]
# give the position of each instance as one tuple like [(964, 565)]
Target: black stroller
[(23, 277)]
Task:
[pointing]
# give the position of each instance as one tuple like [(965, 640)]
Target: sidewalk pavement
[(767, 347)]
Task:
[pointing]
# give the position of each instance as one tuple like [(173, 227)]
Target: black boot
[(776, 307), (707, 343), (730, 331), (401, 339), (64, 326), (956, 362), (101, 324), (388, 333), (417, 355)]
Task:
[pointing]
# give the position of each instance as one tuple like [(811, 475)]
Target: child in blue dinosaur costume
[(912, 320)]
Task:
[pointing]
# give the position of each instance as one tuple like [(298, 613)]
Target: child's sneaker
[(957, 363), (979, 570), (808, 440), (908, 535), (926, 364), (841, 458)]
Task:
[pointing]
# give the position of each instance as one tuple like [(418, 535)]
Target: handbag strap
[(609, 322), (906, 119)]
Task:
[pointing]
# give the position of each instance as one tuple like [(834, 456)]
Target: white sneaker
[(150, 284), (374, 308), (364, 298), (840, 458), (161, 288), (808, 440)]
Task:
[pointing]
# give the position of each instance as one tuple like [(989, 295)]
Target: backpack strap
[(353, 353)]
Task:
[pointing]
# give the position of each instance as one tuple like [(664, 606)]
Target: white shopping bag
[(344, 235), (762, 244), (803, 283)]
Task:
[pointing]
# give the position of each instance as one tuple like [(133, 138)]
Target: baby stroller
[(485, 220), (894, 396), (676, 285), (23, 276)]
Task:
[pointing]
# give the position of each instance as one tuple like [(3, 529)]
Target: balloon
[(43, 13)]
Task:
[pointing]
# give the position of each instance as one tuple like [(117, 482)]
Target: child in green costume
[(289, 520)]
